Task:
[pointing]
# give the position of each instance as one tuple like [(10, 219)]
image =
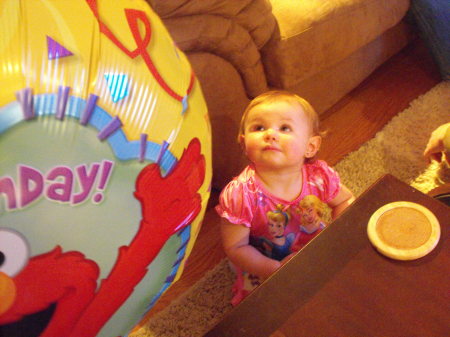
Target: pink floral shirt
[(245, 201)]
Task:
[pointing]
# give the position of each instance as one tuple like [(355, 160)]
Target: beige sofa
[(319, 49)]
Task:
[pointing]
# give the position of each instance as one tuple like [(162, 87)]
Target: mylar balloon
[(105, 165)]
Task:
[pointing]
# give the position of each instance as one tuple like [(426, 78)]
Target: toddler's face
[(277, 135)]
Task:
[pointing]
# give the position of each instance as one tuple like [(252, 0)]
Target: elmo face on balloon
[(105, 165)]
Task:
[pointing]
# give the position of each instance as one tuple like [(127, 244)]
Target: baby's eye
[(285, 128), (257, 128)]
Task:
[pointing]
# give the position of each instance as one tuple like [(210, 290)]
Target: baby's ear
[(241, 140), (313, 146)]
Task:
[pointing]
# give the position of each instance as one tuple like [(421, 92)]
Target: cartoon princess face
[(312, 210), (310, 216), (278, 220), (276, 228)]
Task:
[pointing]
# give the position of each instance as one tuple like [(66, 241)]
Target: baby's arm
[(235, 240), (343, 199)]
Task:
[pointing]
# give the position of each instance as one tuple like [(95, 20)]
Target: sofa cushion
[(314, 35), (326, 88)]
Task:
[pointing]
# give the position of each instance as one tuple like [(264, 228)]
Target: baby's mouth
[(271, 148)]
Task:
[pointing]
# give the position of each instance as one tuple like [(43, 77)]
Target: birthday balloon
[(105, 165)]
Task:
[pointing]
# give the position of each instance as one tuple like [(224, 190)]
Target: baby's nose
[(271, 134)]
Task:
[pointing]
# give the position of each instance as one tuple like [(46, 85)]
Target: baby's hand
[(287, 258)]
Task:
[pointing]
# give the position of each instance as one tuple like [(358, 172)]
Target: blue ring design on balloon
[(123, 149), (185, 236), (45, 105)]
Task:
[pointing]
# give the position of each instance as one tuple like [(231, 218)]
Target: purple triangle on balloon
[(55, 50)]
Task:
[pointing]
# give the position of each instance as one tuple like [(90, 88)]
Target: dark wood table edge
[(235, 324)]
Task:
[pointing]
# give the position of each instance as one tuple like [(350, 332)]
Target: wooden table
[(339, 285)]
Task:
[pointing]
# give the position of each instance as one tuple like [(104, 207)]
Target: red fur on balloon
[(168, 204)]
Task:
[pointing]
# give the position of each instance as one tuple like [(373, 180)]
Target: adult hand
[(435, 146)]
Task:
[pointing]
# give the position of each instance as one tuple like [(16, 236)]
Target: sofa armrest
[(232, 29)]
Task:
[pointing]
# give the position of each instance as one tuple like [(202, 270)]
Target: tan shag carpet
[(396, 149)]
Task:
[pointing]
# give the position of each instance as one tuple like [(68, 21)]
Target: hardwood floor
[(350, 123)]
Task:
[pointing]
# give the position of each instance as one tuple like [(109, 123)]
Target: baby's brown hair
[(274, 95)]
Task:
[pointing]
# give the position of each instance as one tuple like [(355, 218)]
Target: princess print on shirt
[(312, 211), (279, 244)]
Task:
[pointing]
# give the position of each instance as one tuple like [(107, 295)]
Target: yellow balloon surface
[(105, 165)]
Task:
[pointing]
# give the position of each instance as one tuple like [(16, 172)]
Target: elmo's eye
[(14, 252)]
